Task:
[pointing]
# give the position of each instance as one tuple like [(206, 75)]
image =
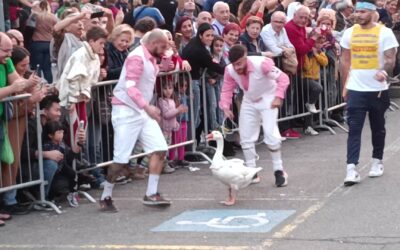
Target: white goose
[(233, 172)]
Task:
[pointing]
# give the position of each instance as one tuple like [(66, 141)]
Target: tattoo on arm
[(389, 58)]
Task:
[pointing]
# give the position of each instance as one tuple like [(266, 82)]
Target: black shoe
[(281, 178), (107, 205), (182, 163), (17, 209), (156, 200)]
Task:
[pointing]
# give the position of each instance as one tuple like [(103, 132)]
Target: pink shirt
[(269, 75), (134, 69)]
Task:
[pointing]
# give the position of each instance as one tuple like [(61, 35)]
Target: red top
[(298, 37)]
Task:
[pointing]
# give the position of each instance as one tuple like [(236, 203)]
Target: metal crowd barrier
[(17, 169), (98, 150), (297, 95)]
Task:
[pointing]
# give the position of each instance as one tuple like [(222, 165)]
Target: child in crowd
[(311, 86), (180, 135), (169, 110), (213, 88), (171, 60), (80, 73), (53, 134)]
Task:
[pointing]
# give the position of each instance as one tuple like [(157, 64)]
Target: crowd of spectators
[(57, 50)]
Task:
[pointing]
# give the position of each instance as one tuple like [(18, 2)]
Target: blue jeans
[(94, 147), (7, 25), (9, 197), (41, 56), (358, 105), (196, 102), (50, 168), (214, 113)]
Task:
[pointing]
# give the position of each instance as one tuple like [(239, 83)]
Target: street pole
[(2, 26)]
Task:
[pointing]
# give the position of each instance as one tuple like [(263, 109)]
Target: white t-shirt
[(363, 79)]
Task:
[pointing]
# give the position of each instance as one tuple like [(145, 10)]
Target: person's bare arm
[(181, 4), (69, 20), (110, 20), (344, 69)]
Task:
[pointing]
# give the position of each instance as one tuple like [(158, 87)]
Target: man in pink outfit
[(264, 88)]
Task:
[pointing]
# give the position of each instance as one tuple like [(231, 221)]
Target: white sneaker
[(311, 108), (376, 168), (310, 131), (352, 176), (168, 169), (73, 199)]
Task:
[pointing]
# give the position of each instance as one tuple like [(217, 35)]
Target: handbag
[(290, 63), (7, 155)]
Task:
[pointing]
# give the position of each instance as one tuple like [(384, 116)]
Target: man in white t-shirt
[(368, 58)]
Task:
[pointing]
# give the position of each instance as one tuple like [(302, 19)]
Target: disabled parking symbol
[(225, 221)]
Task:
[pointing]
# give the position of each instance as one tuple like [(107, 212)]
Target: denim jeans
[(212, 102), (94, 147), (50, 168), (41, 56), (358, 105), (9, 197), (7, 25), (196, 102)]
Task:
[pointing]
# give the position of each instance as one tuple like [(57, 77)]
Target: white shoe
[(311, 108), (352, 176), (310, 131), (73, 199), (376, 168)]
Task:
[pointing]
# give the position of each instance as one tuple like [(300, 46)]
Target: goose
[(233, 172)]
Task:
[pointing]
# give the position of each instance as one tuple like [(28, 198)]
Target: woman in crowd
[(17, 124), (231, 36), (389, 15), (117, 49), (199, 58), (251, 38), (68, 37), (184, 30), (42, 35)]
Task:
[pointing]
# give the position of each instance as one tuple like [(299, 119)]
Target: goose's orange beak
[(210, 137)]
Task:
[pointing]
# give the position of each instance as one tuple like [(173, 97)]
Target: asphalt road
[(325, 215)]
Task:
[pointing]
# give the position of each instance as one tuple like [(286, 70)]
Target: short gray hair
[(218, 5)]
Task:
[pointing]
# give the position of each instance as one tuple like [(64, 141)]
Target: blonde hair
[(119, 30), (327, 14)]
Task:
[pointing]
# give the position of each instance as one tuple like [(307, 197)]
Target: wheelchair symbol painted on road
[(225, 221), (255, 220)]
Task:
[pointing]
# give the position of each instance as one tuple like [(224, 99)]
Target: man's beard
[(155, 53)]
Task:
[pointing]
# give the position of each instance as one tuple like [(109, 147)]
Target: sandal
[(2, 223), (5, 216)]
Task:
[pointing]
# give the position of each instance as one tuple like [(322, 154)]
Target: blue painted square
[(251, 221)]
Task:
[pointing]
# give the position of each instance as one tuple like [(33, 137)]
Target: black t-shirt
[(168, 10)]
